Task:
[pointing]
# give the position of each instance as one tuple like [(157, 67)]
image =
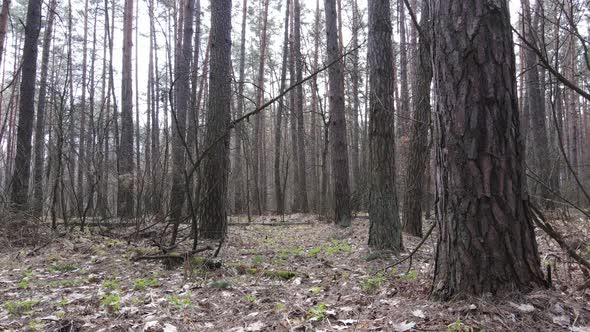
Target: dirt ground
[(303, 274)]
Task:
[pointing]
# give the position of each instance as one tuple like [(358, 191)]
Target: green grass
[(371, 284), (143, 283), (19, 307)]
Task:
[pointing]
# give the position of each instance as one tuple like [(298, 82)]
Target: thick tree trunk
[(22, 164), (385, 229), (213, 216), (338, 140), (40, 125), (486, 239), (125, 199), (418, 150)]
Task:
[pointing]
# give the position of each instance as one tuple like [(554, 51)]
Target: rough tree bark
[(418, 150), (22, 163), (3, 25), (486, 241), (213, 216), (338, 139), (385, 229)]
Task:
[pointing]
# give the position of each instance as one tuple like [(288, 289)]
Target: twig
[(413, 251)]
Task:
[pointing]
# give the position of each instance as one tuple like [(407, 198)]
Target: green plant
[(142, 283), (284, 254), (112, 302), (411, 275), (316, 290), (180, 302), (314, 251), (257, 260), (221, 284), (370, 284), (280, 274), (317, 312), (35, 325), (18, 307), (110, 285), (62, 302), (63, 267), (457, 326), (280, 307), (24, 283), (249, 298)]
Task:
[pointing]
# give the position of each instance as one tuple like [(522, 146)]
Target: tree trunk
[(3, 25), (338, 138), (239, 131), (385, 229), (302, 168), (182, 89), (22, 164), (356, 177), (536, 111), (213, 216), (418, 150), (403, 72), (40, 125), (280, 202), (125, 181), (258, 171), (486, 239)]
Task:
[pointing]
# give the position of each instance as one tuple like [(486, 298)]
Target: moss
[(282, 274)]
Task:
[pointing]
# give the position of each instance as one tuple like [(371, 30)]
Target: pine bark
[(213, 216), (385, 228), (338, 139), (486, 240), (3, 25), (22, 164)]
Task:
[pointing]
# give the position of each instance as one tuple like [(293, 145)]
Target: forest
[(295, 165)]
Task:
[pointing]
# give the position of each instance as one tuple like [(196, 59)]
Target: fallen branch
[(540, 221)]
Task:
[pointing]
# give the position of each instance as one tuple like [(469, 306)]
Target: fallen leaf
[(562, 320), (418, 313), (523, 307), (403, 326), (256, 326), (169, 328)]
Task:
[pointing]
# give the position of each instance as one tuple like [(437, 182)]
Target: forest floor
[(301, 275)]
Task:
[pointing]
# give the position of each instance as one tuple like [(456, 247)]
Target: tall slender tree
[(22, 164), (125, 181), (179, 145), (418, 150), (40, 125), (338, 139), (385, 228), (302, 168), (213, 215)]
